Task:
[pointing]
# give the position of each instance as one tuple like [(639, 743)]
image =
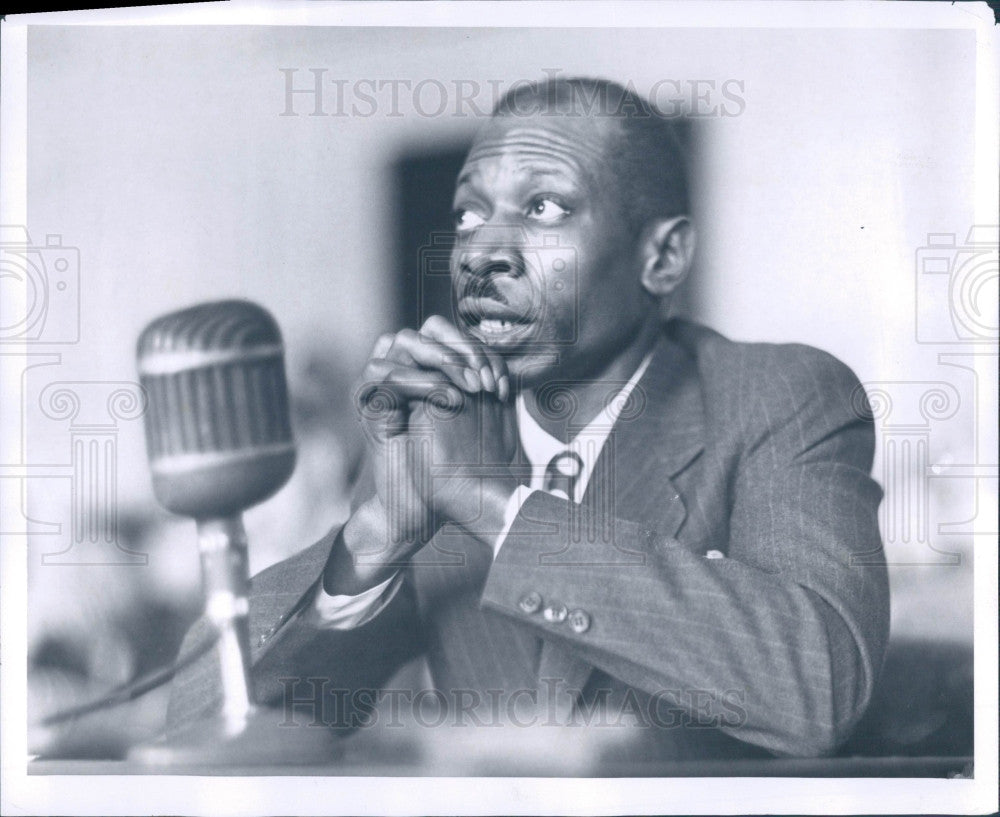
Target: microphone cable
[(131, 690)]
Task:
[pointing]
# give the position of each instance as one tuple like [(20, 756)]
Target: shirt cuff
[(347, 612), (517, 499)]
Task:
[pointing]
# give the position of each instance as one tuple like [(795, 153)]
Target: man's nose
[(495, 248)]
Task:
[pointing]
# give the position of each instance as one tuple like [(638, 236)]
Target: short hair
[(647, 156)]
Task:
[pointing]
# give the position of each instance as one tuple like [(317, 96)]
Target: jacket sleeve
[(789, 630)]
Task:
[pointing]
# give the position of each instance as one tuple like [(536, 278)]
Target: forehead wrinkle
[(522, 152), (527, 150), (536, 142), (556, 136)]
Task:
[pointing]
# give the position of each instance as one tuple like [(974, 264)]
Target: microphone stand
[(222, 545), (240, 734)]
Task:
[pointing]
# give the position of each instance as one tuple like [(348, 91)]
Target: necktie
[(562, 473)]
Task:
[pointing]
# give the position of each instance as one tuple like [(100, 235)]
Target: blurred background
[(833, 185)]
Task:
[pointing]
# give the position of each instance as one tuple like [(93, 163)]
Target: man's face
[(545, 268)]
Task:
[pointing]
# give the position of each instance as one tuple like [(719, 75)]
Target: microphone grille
[(218, 410), (215, 378), (219, 325)]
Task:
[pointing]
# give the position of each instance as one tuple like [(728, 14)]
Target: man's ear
[(667, 253)]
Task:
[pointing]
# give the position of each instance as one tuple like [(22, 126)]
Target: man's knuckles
[(382, 344), (436, 324)]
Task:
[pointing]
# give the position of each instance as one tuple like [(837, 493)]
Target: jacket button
[(579, 621), (556, 613), (530, 602), (715, 554), (262, 640)]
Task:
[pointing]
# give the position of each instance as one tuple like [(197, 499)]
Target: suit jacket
[(723, 574)]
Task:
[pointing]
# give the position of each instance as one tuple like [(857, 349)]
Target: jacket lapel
[(659, 432)]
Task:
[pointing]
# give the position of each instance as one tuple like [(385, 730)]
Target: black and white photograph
[(500, 408)]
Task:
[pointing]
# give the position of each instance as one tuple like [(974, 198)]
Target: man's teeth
[(494, 325)]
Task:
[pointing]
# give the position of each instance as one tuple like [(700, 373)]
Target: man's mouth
[(493, 321), (496, 301), (488, 326)]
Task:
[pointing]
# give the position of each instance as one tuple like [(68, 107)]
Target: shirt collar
[(540, 446)]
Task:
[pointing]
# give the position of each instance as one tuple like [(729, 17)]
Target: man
[(576, 504)]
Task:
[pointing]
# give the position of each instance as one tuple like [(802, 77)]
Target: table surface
[(822, 767)]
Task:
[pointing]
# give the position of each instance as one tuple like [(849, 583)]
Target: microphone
[(219, 439)]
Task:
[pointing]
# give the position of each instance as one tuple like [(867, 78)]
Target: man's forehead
[(579, 142)]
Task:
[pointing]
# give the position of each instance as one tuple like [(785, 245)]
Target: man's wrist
[(491, 522), (362, 555), (341, 612)]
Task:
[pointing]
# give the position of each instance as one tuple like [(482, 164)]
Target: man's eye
[(547, 210), (467, 220)]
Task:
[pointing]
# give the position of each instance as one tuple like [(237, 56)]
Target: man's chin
[(529, 367), (529, 360)]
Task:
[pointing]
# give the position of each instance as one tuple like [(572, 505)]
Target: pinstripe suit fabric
[(752, 450)]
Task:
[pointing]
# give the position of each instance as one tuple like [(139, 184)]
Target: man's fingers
[(444, 332), (382, 345), (413, 349), (440, 346), (387, 387), (487, 364)]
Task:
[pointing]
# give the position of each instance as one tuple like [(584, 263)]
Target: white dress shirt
[(346, 612)]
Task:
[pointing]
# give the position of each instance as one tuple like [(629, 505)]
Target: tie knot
[(562, 473)]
